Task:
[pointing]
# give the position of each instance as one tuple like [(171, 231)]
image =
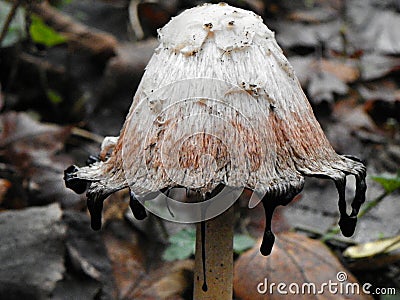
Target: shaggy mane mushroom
[(218, 104)]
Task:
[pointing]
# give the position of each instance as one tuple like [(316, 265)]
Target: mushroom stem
[(217, 250)]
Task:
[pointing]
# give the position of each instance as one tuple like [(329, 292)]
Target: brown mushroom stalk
[(218, 106)]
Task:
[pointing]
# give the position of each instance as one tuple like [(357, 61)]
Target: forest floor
[(68, 72)]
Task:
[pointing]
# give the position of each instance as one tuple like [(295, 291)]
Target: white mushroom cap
[(219, 103)]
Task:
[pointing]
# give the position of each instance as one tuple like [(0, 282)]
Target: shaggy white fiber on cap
[(219, 103)]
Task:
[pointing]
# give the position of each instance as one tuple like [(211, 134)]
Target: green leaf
[(182, 245), (16, 30), (242, 242), (393, 294), (389, 182), (54, 96), (43, 34)]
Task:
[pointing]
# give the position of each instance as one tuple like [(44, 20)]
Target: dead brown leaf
[(31, 148), (4, 187), (382, 100), (127, 257), (172, 281), (294, 259), (345, 70)]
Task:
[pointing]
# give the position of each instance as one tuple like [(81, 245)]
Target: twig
[(134, 19), (87, 135), (78, 34), (372, 204), (9, 19)]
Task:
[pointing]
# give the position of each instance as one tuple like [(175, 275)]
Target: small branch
[(372, 204), (87, 135), (218, 255), (78, 34), (9, 19), (134, 19)]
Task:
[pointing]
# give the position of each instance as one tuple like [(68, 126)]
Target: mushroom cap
[(219, 103)]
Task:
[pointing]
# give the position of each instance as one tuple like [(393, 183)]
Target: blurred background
[(68, 72)]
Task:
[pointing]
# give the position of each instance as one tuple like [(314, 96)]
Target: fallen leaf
[(295, 260), (290, 34), (345, 70), (375, 65), (242, 242), (43, 34), (173, 281), (258, 6), (87, 253), (313, 16), (182, 245), (382, 100), (323, 86), (31, 148), (4, 187), (390, 183), (373, 28), (353, 116), (383, 246), (324, 77), (126, 253), (32, 252), (374, 255)]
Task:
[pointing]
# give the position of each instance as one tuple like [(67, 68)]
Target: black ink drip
[(359, 199), (95, 206), (79, 186), (92, 159), (270, 203), (137, 208), (203, 255), (347, 223), (268, 238)]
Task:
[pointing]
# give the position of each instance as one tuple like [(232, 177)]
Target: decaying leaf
[(375, 65), (382, 100), (31, 148), (31, 252), (4, 187), (324, 77), (87, 254), (346, 71), (296, 260), (173, 281), (374, 28), (126, 253), (297, 34), (384, 246), (323, 86)]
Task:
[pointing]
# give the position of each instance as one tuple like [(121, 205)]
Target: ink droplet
[(137, 208), (203, 255), (268, 237), (79, 186), (95, 206), (347, 223), (92, 159)]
